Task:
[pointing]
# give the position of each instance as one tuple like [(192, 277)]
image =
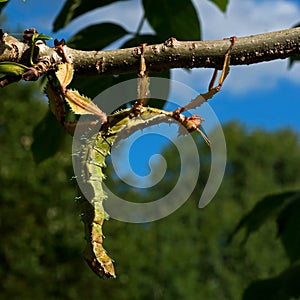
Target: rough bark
[(170, 54)]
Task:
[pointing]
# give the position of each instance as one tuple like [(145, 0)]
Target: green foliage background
[(214, 253), (183, 256)]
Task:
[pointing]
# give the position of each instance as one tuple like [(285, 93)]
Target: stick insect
[(98, 147)]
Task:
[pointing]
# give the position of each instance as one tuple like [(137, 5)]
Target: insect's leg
[(193, 122), (79, 104), (225, 70), (213, 79), (200, 99), (143, 85), (59, 45)]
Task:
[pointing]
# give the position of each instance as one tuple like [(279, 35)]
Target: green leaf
[(282, 287), (3, 1), (268, 207), (222, 4), (97, 36), (289, 227), (170, 18), (48, 138), (12, 68), (42, 37), (75, 8)]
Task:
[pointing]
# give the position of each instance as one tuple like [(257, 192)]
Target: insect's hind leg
[(200, 99)]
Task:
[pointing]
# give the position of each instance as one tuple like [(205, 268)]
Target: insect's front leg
[(58, 94), (143, 85), (199, 100), (56, 103), (225, 71), (193, 122)]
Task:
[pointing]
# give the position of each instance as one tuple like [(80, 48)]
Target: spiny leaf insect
[(98, 147)]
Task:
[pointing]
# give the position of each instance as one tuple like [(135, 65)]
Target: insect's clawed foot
[(59, 45), (232, 39)]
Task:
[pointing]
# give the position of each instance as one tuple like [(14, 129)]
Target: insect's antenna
[(204, 136)]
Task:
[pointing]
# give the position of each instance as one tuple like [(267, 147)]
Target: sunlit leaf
[(96, 37), (222, 4), (43, 37), (170, 18), (75, 8), (48, 138)]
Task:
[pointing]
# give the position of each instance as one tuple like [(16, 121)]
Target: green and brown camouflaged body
[(93, 154), (93, 157), (95, 146)]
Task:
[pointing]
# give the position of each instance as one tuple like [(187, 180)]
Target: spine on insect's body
[(93, 214)]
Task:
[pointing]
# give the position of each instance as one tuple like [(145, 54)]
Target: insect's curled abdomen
[(93, 155)]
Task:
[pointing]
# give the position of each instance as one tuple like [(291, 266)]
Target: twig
[(170, 54)]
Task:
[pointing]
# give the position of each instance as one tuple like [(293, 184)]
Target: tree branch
[(170, 54)]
